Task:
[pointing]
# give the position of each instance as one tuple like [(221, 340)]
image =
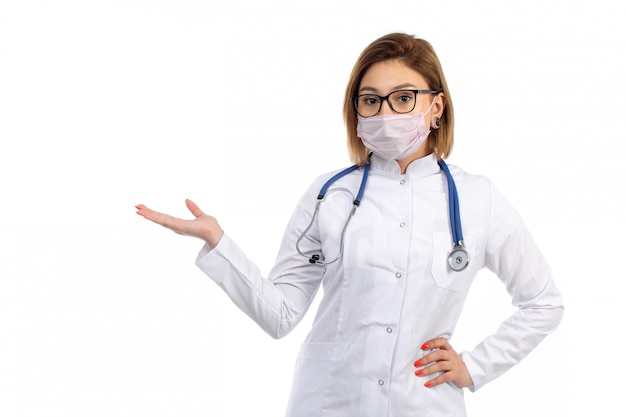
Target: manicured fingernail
[(418, 363), (419, 373), (428, 384), (425, 346)]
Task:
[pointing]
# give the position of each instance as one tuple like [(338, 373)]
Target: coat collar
[(422, 167)]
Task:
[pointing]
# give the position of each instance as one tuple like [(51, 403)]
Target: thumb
[(194, 209)]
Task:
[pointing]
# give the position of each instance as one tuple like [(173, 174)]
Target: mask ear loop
[(432, 103), (436, 119)]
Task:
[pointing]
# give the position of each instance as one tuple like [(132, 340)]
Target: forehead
[(385, 76)]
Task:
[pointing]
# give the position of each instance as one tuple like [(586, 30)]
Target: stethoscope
[(458, 259)]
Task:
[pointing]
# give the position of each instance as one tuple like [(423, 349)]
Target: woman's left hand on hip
[(443, 358)]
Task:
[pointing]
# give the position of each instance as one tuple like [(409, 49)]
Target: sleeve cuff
[(474, 371)]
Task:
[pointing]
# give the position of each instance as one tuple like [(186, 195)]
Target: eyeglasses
[(401, 101)]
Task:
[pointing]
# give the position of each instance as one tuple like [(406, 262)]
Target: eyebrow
[(397, 87)]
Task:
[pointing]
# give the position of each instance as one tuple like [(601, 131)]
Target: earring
[(436, 124)]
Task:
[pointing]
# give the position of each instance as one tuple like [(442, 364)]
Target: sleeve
[(276, 303), (514, 257)]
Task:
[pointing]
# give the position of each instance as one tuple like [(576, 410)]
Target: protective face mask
[(393, 137)]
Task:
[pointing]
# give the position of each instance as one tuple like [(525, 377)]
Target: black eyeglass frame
[(380, 106)]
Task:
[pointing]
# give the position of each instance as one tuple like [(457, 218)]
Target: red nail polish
[(428, 384), (425, 346), (419, 373), (418, 363)]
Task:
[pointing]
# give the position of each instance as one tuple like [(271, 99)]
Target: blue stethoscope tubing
[(315, 259), (458, 259)]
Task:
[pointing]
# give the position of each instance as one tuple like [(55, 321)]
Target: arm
[(514, 257), (277, 304)]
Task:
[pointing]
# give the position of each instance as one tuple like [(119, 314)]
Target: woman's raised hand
[(204, 227)]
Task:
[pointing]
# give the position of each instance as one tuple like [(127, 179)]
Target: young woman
[(395, 273)]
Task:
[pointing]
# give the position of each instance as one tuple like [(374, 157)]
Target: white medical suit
[(392, 290)]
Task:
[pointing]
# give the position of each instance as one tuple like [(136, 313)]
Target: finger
[(162, 219), (444, 366), (441, 379), (438, 343), (433, 357), (150, 214), (194, 209), (145, 211)]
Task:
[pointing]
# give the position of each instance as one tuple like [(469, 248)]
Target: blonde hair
[(418, 55)]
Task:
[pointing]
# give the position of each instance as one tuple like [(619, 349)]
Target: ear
[(439, 105)]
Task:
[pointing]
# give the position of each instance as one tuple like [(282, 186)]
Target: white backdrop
[(107, 104)]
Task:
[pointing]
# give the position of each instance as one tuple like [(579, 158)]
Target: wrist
[(213, 238)]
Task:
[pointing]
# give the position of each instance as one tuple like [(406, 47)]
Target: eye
[(369, 100), (403, 97)]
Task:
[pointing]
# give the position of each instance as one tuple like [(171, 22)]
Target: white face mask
[(393, 137)]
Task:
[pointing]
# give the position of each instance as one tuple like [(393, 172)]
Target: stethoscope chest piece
[(458, 258)]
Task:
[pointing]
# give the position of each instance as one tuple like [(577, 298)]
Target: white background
[(107, 104)]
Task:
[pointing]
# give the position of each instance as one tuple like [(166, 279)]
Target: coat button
[(398, 275), (381, 382), (402, 182), (402, 224), (389, 330)]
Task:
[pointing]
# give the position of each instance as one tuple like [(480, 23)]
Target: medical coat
[(392, 290)]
